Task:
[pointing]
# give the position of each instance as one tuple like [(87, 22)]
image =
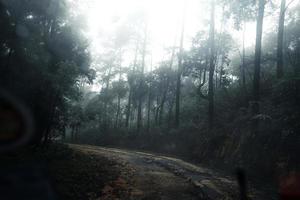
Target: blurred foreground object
[(19, 180), (241, 178), (28, 182), (290, 187), (16, 125)]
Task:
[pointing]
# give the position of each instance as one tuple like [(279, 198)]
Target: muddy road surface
[(155, 177)]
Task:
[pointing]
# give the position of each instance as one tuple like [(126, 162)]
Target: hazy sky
[(164, 21), (164, 18)]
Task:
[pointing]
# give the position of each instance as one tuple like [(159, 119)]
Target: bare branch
[(287, 6)]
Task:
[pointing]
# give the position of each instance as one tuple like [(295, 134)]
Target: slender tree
[(243, 59), (283, 8), (119, 91), (140, 100), (166, 88), (243, 11), (106, 90), (149, 97), (257, 61), (211, 66), (179, 70), (279, 69), (130, 82)]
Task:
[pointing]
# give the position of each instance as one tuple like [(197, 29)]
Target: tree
[(179, 70), (47, 56), (292, 43), (140, 89), (149, 98), (279, 70), (130, 80), (211, 66), (242, 11), (257, 58), (283, 8)]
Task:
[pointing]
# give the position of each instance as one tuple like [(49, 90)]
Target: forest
[(212, 82)]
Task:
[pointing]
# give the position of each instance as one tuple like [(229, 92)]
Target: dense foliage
[(43, 59)]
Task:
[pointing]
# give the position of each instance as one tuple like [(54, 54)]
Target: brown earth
[(145, 176)]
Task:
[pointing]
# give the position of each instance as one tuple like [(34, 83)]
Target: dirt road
[(166, 178)]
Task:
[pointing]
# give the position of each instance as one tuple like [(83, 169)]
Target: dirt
[(161, 177), (57, 172), (144, 180), (87, 172)]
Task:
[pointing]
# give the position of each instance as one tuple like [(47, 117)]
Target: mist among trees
[(218, 95)]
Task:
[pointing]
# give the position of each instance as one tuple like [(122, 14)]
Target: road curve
[(162, 177)]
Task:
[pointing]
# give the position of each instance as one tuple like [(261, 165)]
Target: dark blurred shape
[(25, 182), (241, 178), (19, 181), (16, 125), (290, 187)]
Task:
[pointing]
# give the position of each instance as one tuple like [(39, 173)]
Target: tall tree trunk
[(148, 108), (162, 104), (119, 97), (161, 112), (118, 112), (179, 71), (221, 72), (279, 69), (139, 115), (256, 78), (133, 114), (219, 54), (204, 76), (170, 113), (105, 123), (128, 111), (243, 60), (149, 100), (211, 67), (157, 110), (216, 75)]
